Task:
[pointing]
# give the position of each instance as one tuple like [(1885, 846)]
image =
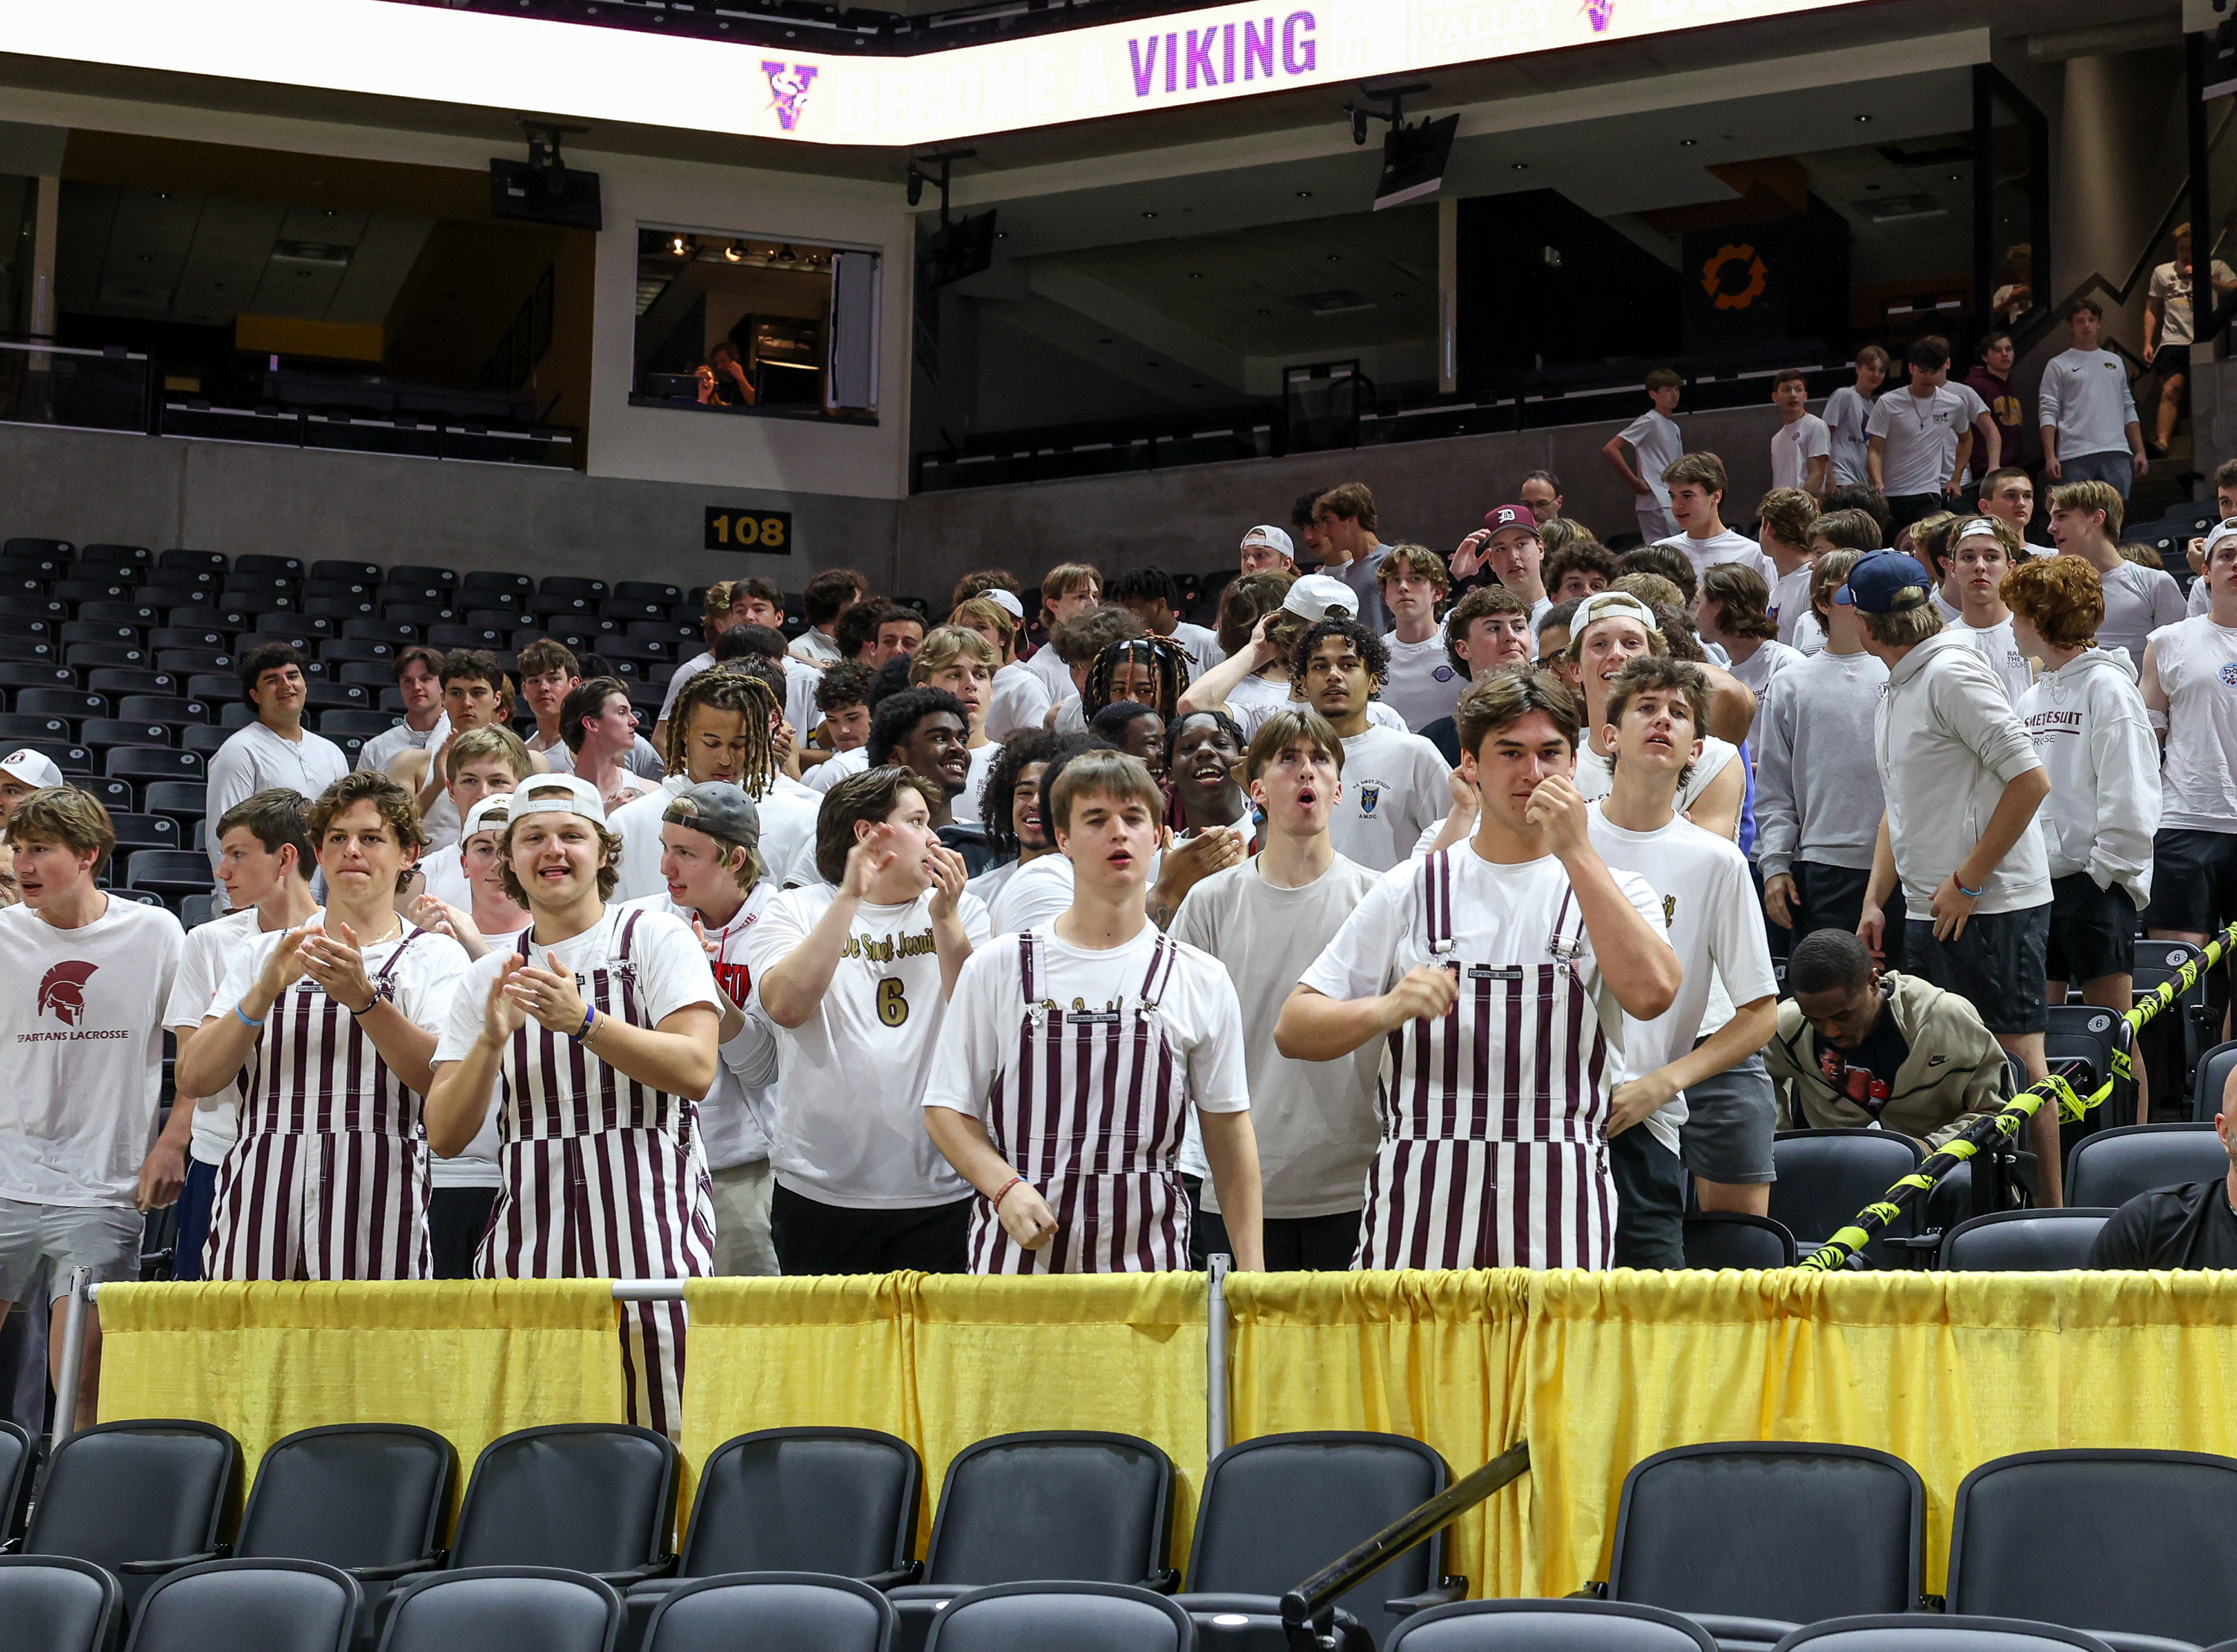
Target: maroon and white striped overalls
[(328, 1177), (1090, 1110), (1494, 1151), (603, 1178)]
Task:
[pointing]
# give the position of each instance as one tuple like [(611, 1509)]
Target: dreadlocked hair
[(1168, 665), (1019, 752), (721, 689)]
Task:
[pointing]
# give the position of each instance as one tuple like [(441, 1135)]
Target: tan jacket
[(1955, 1072)]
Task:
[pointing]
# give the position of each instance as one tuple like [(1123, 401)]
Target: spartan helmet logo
[(63, 991)]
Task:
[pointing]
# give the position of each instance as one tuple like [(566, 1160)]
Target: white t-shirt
[(1055, 674), (849, 1120), (2197, 662), (787, 816), (2138, 601), (733, 1118), (445, 871), (815, 646), (1393, 785), (641, 761), (1314, 1119), (1594, 779), (1922, 434), (81, 1020), (255, 758), (835, 768), (1719, 548), (208, 960), (1995, 644), (1712, 921), (1020, 700), (1794, 445), (1846, 413), (383, 749), (1789, 603), (963, 808), (671, 974), (1033, 897), (1654, 438), (1755, 672), (1202, 646), (2171, 286), (475, 1165), (1501, 915), (1196, 1011), (1422, 685), (703, 661)]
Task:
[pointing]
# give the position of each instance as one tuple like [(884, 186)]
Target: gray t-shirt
[(1314, 1119)]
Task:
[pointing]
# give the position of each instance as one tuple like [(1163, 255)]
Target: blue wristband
[(245, 1021), (1969, 894)]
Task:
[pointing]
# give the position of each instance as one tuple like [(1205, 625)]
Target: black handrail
[(1308, 1610)]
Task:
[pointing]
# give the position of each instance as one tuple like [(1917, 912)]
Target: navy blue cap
[(1885, 582)]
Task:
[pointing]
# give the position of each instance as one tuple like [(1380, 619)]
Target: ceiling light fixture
[(732, 255)]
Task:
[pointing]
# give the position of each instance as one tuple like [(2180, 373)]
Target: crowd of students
[(1422, 914)]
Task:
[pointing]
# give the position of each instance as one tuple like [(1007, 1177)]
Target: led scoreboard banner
[(569, 70)]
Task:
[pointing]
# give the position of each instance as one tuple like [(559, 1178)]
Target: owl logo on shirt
[(2229, 675), (1370, 795), (63, 991), (1669, 910)]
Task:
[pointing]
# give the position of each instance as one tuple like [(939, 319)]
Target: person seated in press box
[(1860, 1047)]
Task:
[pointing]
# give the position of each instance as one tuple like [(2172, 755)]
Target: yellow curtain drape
[(470, 1359), (943, 1361)]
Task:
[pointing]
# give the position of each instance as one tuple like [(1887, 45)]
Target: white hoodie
[(1947, 743), (2088, 721)]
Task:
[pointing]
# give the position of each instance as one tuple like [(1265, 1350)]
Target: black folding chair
[(1925, 1632), (1549, 1626), (1079, 1616), (2022, 1241), (774, 1609), (1733, 1239), (1708, 1531), (502, 1608), (2108, 1170), (366, 1497), (597, 1498), (1275, 1510), (1826, 1177), (248, 1606), (140, 1498), (2134, 1546), (2211, 1079), (56, 1604)]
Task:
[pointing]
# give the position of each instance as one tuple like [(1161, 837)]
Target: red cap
[(1511, 515)]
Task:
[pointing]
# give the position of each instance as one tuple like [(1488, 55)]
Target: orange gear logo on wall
[(1713, 276)]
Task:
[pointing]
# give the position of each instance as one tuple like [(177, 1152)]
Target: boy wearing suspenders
[(1072, 1053)]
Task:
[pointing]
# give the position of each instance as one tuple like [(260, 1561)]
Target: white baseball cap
[(1608, 605), (555, 795), (2224, 532), (487, 815), (1273, 538), (1320, 596), (33, 768), (1006, 600)]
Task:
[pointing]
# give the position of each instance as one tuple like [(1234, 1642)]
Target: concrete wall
[(86, 486)]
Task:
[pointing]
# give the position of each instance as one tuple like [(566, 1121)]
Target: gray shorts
[(57, 1237), (1729, 1121), (2116, 467)]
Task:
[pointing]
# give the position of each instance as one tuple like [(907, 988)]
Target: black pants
[(1650, 1193), (1904, 508), (1294, 1244), (456, 1219), (814, 1238), (1833, 897)]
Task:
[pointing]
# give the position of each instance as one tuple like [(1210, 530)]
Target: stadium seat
[(2210, 1080), (61, 703), (1708, 1531), (1826, 1177), (166, 594), (194, 911), (248, 1606), (2108, 1170), (1085, 1507), (26, 650), (181, 799), (139, 1497), (1089, 1617), (361, 573), (84, 654), (189, 636), (1722, 1239), (103, 732), (420, 574), (1278, 1508), (2134, 1545), (147, 831), (84, 588), (490, 619), (1549, 1626), (379, 631), (349, 650), (237, 714), (645, 590), (130, 680), (296, 626), (167, 872), (595, 1496), (29, 676), (20, 727), (60, 549), (1924, 1633), (212, 561), (175, 708), (127, 612), (141, 896), (368, 1497), (447, 636), (205, 739), (69, 756), (106, 552), (137, 763), (502, 1608), (14, 1480), (26, 625), (337, 696), (118, 797), (222, 687), (771, 1609), (420, 615), (338, 608), (277, 567), (338, 721), (569, 585), (58, 1604), (2022, 1241), (2179, 1036)]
